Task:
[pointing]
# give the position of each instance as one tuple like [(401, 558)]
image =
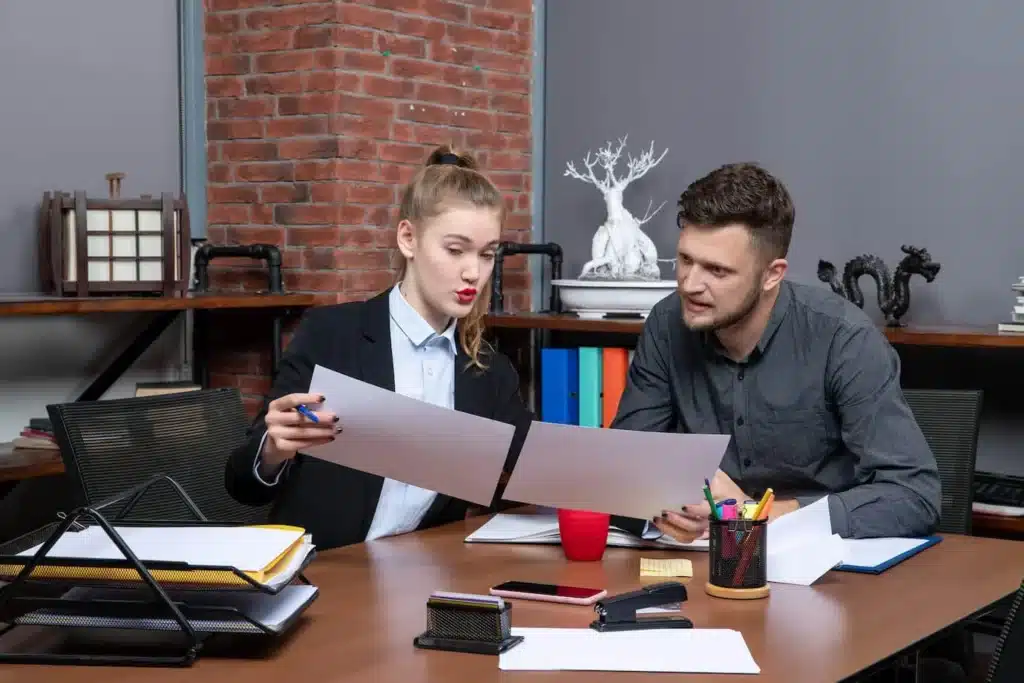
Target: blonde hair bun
[(446, 155)]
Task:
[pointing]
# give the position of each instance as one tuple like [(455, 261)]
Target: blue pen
[(308, 413)]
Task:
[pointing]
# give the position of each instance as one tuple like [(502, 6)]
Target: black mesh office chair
[(950, 420), (1008, 658), (111, 446)]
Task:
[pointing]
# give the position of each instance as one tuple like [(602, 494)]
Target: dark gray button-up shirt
[(815, 410)]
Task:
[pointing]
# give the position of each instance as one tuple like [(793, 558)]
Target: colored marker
[(729, 508), (764, 501), (308, 413), (749, 507), (711, 501)]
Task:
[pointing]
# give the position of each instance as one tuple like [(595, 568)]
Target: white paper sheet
[(663, 650), (271, 611), (621, 472), (250, 549), (802, 547), (411, 441), (543, 529)]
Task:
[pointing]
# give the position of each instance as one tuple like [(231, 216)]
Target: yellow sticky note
[(674, 567)]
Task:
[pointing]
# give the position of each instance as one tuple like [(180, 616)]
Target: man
[(805, 383)]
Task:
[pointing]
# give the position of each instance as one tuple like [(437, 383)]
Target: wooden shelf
[(951, 336), (961, 336), (564, 323), (48, 305)]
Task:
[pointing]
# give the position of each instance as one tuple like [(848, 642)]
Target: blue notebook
[(875, 555)]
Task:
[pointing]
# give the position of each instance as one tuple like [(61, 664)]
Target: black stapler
[(619, 612)]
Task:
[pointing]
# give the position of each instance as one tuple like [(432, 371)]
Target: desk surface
[(49, 305), (373, 596), (962, 336)]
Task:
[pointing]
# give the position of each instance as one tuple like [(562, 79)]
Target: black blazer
[(336, 504)]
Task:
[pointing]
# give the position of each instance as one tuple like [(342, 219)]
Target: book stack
[(38, 435), (1016, 323)]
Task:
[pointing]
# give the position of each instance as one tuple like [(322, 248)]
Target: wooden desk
[(372, 605), (165, 310)]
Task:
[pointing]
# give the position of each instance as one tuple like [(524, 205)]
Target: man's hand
[(692, 523), (723, 488), (782, 507)]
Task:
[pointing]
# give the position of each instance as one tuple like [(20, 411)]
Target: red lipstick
[(466, 295)]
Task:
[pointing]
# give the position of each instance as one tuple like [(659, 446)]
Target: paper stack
[(225, 578), (542, 528)]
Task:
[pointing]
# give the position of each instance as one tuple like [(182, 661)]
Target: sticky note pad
[(673, 567)]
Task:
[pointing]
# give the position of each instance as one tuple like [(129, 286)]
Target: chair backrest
[(111, 446), (1007, 664), (950, 420)]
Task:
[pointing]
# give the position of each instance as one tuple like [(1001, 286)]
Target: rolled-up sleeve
[(898, 491)]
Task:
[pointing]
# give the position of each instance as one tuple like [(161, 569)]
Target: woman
[(422, 338)]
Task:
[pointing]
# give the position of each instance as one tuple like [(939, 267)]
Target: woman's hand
[(289, 431)]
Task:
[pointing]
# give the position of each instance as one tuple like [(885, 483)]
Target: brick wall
[(319, 112)]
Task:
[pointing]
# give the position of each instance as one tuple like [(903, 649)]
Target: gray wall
[(891, 123), (86, 88)]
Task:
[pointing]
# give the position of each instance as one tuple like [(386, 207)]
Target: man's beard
[(747, 307)]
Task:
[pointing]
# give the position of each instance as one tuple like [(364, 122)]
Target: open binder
[(81, 574)]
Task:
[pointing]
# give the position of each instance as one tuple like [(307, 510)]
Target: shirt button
[(740, 376), (747, 462), (739, 420)]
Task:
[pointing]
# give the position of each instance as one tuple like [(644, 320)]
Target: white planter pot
[(592, 299)]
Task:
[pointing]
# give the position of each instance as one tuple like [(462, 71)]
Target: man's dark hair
[(746, 194)]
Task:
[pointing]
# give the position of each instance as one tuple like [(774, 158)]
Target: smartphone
[(548, 592)]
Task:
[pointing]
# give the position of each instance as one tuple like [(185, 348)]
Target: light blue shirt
[(424, 365)]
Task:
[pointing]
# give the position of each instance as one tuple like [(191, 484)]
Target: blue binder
[(559, 386), (924, 544)]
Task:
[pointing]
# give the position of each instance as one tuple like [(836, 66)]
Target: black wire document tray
[(81, 576)]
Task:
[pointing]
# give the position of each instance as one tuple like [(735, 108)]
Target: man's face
[(721, 275)]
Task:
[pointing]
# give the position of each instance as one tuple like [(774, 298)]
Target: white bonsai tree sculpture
[(620, 250)]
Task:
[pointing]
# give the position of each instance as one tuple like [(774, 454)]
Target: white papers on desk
[(412, 441), (801, 545), (621, 472), (543, 529), (231, 610), (246, 548), (684, 650)]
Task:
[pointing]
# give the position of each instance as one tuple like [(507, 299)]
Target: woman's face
[(449, 259)]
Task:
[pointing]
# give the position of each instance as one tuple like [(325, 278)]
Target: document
[(633, 474), (689, 650), (236, 609), (801, 545), (878, 554), (246, 548), (411, 441), (542, 528)]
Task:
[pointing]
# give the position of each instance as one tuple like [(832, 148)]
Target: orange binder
[(615, 364)]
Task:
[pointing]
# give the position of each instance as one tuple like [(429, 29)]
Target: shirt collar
[(779, 310), (778, 314), (412, 324)]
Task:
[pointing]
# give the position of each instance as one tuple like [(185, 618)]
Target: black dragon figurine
[(893, 291)]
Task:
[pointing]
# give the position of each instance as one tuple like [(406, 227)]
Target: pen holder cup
[(473, 629), (584, 534), (738, 559)]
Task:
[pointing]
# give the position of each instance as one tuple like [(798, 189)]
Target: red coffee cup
[(584, 534)]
